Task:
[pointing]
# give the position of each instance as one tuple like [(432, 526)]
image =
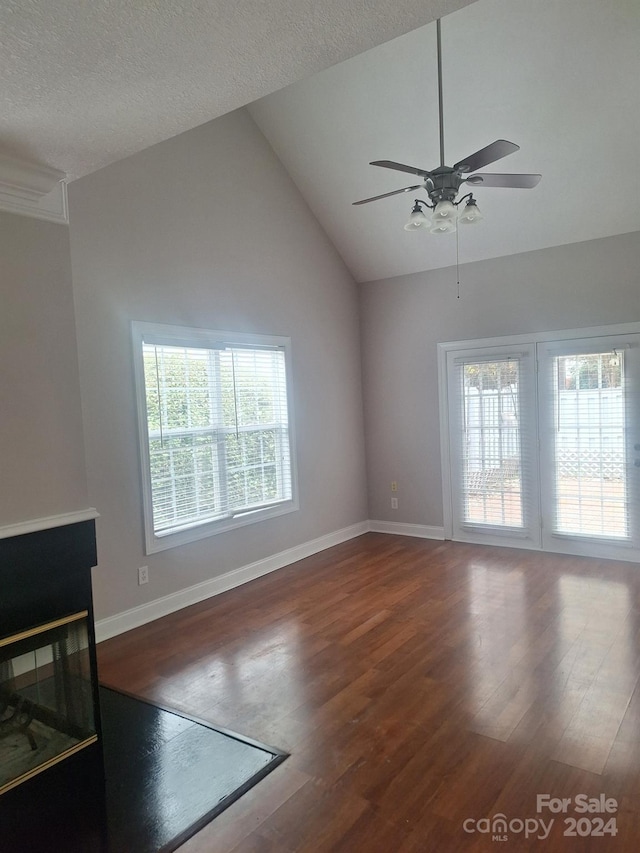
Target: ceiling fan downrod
[(440, 103)]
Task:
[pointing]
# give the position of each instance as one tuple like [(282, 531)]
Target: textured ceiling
[(558, 78), (87, 82)]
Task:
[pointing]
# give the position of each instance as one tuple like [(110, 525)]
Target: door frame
[(533, 339)]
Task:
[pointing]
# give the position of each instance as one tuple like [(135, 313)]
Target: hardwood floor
[(421, 688)]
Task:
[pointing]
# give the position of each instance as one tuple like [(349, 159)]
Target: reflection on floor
[(421, 687), (168, 775)]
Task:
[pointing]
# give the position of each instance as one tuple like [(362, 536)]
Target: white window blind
[(491, 442), (217, 435), (590, 441)]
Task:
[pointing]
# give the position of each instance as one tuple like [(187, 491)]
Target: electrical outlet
[(394, 503), (143, 575), (394, 486)]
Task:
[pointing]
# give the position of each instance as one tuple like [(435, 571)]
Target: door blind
[(590, 441), (493, 445)]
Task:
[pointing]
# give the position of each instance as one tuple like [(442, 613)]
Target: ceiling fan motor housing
[(443, 185)]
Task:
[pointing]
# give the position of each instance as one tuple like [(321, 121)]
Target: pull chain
[(458, 262)]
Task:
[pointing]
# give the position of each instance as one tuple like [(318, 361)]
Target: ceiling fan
[(443, 183)]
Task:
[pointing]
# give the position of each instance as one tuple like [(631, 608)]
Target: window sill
[(203, 530)]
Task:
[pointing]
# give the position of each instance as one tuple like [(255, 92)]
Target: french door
[(492, 394), (589, 428), (544, 444)]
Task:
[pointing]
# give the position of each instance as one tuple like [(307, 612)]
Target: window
[(215, 433)]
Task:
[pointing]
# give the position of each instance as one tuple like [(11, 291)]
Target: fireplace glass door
[(46, 700)]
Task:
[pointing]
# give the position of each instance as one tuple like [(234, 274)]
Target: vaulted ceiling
[(558, 79), (85, 84)]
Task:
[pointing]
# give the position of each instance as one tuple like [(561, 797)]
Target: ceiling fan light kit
[(471, 213), (445, 215), (444, 226), (444, 210), (417, 219), (443, 183)]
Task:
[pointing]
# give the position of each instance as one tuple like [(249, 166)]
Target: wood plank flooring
[(418, 685)]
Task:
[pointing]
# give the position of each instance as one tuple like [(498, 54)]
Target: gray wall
[(208, 230), (402, 320), (42, 461)]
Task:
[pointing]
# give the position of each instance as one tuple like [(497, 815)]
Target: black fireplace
[(51, 765)]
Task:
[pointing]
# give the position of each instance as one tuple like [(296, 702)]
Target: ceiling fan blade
[(525, 182), (400, 167), (386, 195), (496, 151)]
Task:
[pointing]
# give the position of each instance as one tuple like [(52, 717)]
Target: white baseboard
[(128, 619), (125, 621), (399, 528)]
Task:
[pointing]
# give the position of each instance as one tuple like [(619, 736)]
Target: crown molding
[(32, 190)]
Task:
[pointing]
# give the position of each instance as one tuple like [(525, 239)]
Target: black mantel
[(44, 576)]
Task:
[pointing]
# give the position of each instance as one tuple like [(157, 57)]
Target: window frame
[(182, 336)]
